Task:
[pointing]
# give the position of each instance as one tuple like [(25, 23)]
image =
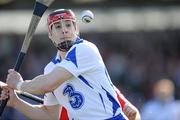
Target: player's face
[(62, 31)]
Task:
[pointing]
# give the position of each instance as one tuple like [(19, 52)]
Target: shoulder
[(50, 65), (85, 44), (85, 47), (82, 53)]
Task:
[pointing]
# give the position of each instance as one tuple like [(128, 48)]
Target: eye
[(58, 26), (68, 25)]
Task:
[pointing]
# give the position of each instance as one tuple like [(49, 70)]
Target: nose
[(64, 30)]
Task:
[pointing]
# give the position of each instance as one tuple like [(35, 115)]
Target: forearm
[(46, 83), (35, 112), (37, 85)]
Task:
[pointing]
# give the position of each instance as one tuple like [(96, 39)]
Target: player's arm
[(128, 108), (35, 112), (46, 83), (131, 111), (40, 84)]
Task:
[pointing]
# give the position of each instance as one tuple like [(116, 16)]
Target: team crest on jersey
[(76, 99)]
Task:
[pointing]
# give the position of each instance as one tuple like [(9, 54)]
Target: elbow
[(49, 87), (45, 89)]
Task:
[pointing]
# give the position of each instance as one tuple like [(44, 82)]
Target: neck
[(62, 54)]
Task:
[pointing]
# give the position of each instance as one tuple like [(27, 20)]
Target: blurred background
[(138, 39)]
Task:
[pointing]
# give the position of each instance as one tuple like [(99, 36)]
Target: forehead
[(61, 15), (63, 22)]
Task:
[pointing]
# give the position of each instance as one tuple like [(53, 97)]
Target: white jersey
[(89, 95)]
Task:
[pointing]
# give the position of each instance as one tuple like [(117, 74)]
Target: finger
[(127, 111), (10, 70), (7, 79), (9, 76), (11, 73), (4, 98), (4, 87), (4, 95), (4, 92), (131, 113)]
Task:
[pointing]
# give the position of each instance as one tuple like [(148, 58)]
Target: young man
[(76, 78)]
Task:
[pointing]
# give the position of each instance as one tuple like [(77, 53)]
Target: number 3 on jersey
[(76, 99)]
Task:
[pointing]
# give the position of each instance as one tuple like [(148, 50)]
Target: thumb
[(2, 84)]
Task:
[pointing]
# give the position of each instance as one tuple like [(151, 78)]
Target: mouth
[(65, 38)]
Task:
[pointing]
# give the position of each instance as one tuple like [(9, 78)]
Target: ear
[(76, 28), (49, 33)]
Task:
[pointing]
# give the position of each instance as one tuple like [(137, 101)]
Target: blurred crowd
[(136, 61)]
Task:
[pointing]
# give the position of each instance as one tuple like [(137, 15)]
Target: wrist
[(19, 86), (16, 100)]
